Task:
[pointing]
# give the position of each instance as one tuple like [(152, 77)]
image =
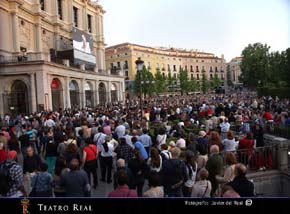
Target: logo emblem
[(25, 204)]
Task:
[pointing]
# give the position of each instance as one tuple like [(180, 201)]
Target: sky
[(215, 26)]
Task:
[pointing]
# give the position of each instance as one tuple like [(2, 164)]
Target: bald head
[(120, 163), (175, 153), (214, 149), (240, 169), (231, 194)]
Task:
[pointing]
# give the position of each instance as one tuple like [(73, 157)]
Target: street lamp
[(140, 64)]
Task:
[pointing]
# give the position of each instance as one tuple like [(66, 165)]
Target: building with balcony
[(52, 56), (234, 71), (122, 57)]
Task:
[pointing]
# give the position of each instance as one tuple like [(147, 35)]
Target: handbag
[(33, 192)]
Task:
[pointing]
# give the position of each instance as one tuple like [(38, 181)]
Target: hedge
[(280, 92)]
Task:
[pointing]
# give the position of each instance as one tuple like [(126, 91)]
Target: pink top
[(123, 192)]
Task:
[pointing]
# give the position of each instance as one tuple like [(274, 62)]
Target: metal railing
[(261, 158)]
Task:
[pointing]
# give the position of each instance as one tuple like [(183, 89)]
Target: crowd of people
[(58, 153)]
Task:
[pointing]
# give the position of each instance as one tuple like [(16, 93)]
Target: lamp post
[(139, 63)]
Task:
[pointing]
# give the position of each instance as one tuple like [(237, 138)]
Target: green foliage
[(204, 83), (262, 68), (160, 82), (184, 81), (280, 92), (143, 82), (216, 82), (170, 82)]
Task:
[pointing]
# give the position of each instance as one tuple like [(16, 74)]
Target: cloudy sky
[(217, 26)]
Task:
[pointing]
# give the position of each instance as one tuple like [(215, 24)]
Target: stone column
[(38, 39), (33, 93), (109, 98), (69, 9), (67, 94), (15, 32), (282, 153), (97, 100), (82, 94)]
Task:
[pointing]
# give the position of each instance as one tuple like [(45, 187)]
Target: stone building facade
[(38, 66), (168, 60)]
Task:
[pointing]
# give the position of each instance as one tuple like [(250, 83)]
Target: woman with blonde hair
[(230, 142)]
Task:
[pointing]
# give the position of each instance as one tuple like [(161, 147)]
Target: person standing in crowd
[(121, 165), (90, 155), (76, 182), (191, 170), (139, 169), (124, 151), (155, 190), (165, 154), (71, 152), (246, 146), (138, 145), (215, 140), (15, 189), (202, 188), (31, 164), (60, 170), (225, 128), (173, 175), (161, 138), (106, 161), (50, 153), (214, 166), (3, 153), (229, 143), (145, 139), (122, 190), (241, 184), (41, 182), (155, 160)]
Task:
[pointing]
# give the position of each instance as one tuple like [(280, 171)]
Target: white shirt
[(49, 123), (157, 169), (161, 139), (120, 131), (99, 139), (229, 145), (225, 127), (109, 153), (191, 180), (201, 189)]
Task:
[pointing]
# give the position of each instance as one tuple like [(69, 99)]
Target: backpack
[(5, 178)]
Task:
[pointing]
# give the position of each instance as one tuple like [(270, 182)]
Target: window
[(211, 76), (75, 16), (168, 67), (197, 69), (42, 4), (210, 69), (126, 54), (59, 9), (180, 67), (191, 68), (202, 68), (191, 76), (186, 67), (174, 67), (196, 60), (215, 69), (126, 65), (89, 23), (202, 60), (174, 76), (119, 64), (112, 65), (197, 76)]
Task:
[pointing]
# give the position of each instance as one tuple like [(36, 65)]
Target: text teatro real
[(72, 207)]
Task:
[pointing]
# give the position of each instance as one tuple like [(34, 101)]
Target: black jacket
[(243, 186)]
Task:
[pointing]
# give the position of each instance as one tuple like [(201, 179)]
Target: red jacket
[(123, 192), (246, 143)]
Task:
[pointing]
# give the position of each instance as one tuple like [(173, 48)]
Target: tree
[(160, 82), (170, 81), (204, 83), (255, 64), (192, 85), (144, 79), (183, 80), (216, 81)]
